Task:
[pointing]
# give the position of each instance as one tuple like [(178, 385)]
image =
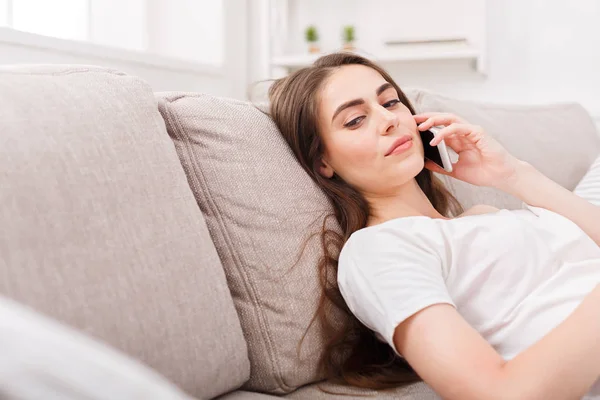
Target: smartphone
[(441, 154)]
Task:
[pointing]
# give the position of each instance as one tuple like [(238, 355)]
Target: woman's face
[(360, 119)]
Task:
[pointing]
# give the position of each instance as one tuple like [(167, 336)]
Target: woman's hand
[(482, 160)]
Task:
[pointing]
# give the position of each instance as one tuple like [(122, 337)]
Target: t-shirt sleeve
[(386, 278)]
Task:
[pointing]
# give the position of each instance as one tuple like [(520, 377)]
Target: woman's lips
[(399, 148)]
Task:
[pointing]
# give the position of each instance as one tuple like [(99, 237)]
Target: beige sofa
[(148, 239)]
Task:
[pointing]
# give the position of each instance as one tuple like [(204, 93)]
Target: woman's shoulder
[(400, 234)]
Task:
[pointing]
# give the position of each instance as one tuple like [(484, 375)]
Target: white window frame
[(9, 13), (8, 35)]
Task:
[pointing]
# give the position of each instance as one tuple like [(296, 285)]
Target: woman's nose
[(390, 121)]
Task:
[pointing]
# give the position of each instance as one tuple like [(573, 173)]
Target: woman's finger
[(457, 143), (424, 116), (471, 132), (448, 131), (439, 119)]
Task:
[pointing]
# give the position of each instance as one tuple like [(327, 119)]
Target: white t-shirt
[(512, 274)]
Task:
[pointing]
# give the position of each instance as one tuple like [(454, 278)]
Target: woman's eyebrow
[(357, 102), (384, 87), (345, 105)]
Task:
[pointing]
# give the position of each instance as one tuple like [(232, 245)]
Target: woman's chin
[(404, 171), (412, 165)]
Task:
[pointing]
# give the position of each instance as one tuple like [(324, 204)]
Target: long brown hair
[(353, 355)]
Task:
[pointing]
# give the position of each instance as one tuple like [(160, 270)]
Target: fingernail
[(432, 140)]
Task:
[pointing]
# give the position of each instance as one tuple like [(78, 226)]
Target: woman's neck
[(405, 201)]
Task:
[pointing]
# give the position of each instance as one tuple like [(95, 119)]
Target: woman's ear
[(325, 169)]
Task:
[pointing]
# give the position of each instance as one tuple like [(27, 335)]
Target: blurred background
[(509, 51)]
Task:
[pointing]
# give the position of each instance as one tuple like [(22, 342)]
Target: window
[(4, 11), (119, 23), (185, 29), (189, 28), (65, 19)]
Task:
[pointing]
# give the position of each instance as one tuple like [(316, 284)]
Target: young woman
[(481, 304)]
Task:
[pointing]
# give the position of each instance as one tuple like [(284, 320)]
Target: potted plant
[(348, 37), (312, 38)]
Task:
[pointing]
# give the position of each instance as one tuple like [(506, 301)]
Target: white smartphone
[(441, 154)]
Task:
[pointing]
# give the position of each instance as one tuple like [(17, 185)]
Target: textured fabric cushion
[(415, 391), (100, 229), (41, 359), (589, 186), (243, 395), (259, 206), (560, 140)]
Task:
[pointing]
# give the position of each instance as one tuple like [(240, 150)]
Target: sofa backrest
[(100, 229)]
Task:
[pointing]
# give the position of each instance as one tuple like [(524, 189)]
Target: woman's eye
[(391, 103), (354, 122)]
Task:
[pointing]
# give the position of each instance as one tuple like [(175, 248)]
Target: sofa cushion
[(330, 391), (259, 206), (101, 230), (243, 395), (558, 139), (41, 359)]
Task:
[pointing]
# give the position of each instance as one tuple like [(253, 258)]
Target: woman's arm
[(450, 356), (536, 189)]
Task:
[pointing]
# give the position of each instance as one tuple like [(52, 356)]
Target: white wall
[(537, 51)]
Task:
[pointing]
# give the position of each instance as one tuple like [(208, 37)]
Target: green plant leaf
[(311, 34), (348, 34)]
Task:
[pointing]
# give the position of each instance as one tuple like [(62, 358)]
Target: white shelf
[(457, 31), (393, 55)]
